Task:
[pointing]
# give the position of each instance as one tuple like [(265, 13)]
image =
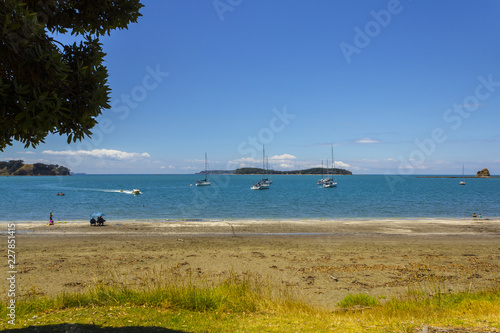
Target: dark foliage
[(48, 87), (312, 171), (18, 168)]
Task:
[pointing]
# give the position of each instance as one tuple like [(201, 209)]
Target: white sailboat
[(329, 183), (267, 181), (323, 179), (462, 182), (264, 183), (204, 182)]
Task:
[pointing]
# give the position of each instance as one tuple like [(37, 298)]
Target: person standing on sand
[(51, 222)]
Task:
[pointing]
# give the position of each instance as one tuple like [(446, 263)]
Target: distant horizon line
[(228, 174)]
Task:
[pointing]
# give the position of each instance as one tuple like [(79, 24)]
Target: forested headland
[(311, 171), (18, 168)]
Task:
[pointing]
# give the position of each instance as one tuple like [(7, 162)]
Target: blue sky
[(401, 87)]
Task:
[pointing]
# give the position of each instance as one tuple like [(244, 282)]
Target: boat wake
[(119, 191)]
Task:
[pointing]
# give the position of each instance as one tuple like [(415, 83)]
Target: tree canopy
[(18, 168), (46, 86)]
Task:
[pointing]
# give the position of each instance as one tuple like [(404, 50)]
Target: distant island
[(260, 171), (18, 168), (216, 172)]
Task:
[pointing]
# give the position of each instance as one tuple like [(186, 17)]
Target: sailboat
[(462, 182), (329, 183), (204, 182), (323, 179), (264, 183), (267, 181)]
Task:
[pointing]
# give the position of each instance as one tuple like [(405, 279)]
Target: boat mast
[(206, 167), (264, 177), (333, 163)]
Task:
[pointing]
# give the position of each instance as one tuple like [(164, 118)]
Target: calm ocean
[(169, 197)]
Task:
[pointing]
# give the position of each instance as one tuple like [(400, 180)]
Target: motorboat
[(136, 191)]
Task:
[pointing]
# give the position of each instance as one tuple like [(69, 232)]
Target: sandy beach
[(320, 261)]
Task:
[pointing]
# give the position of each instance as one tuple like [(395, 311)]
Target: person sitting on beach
[(100, 220), (92, 221), (479, 215), (474, 215)]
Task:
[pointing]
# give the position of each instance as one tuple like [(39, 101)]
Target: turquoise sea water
[(169, 197)]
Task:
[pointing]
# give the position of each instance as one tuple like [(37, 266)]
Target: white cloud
[(342, 165), (367, 140), (99, 153), (283, 162), (282, 157)]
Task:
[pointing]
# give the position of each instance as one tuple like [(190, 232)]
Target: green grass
[(246, 304), (353, 300)]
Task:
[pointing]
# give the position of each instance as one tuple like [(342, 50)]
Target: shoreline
[(286, 219), (397, 226)]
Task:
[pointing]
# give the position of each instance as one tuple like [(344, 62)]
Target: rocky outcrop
[(483, 173)]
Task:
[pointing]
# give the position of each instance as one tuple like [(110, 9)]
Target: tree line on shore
[(18, 168), (260, 171)]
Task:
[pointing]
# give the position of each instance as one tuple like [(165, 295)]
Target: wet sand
[(319, 261)]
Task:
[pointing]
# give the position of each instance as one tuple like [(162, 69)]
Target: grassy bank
[(247, 304)]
